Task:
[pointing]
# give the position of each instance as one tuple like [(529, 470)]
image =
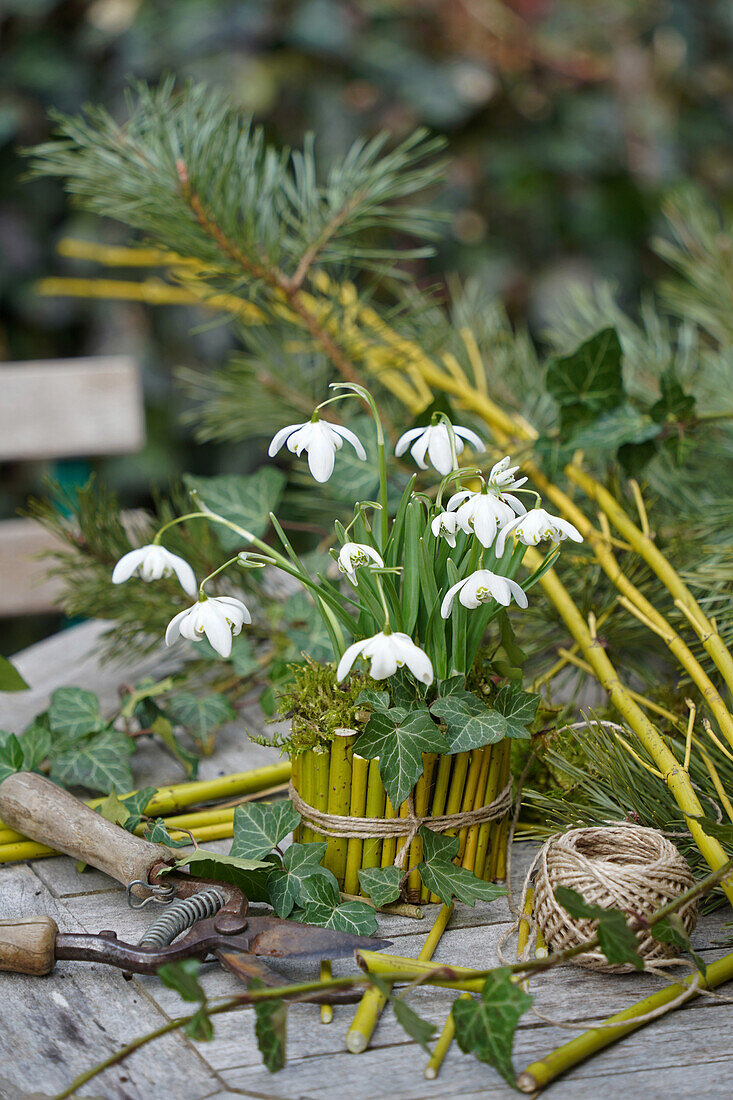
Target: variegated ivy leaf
[(377, 700), (201, 715), (102, 763), (249, 875), (157, 833), (469, 722), (258, 827), (519, 709), (271, 1031), (74, 713), (381, 884), (355, 917), (398, 739), (11, 756), (445, 878), (300, 878)]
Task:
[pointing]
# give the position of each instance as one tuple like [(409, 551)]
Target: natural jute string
[(373, 828)]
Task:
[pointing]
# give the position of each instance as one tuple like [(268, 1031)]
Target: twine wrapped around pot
[(621, 866)]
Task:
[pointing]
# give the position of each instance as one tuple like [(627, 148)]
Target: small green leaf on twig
[(183, 977), (271, 1031), (617, 941), (485, 1028), (671, 929)]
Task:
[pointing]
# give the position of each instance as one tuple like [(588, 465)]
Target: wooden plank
[(70, 407)]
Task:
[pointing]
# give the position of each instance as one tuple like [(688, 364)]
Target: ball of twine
[(626, 867)]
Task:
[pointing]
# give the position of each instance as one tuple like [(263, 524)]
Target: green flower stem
[(456, 475), (364, 394), (202, 594)]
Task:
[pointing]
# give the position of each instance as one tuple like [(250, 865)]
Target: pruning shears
[(213, 915)]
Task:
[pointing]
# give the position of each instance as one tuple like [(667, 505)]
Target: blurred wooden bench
[(55, 409)]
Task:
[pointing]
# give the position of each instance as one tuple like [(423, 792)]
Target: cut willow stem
[(373, 1002), (443, 1045), (339, 798), (540, 1074), (473, 776), (299, 765), (500, 829), (422, 800), (524, 923), (359, 775), (675, 777), (454, 799), (326, 1010), (389, 843), (375, 801), (440, 794), (486, 830), (472, 834), (393, 908)]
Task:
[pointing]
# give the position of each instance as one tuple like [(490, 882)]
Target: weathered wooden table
[(53, 1028)]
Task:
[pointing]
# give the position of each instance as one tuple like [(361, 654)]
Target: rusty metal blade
[(274, 938), (249, 968)]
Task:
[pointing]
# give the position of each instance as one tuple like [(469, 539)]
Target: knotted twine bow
[(374, 828)]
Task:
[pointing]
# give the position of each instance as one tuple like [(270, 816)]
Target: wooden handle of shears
[(39, 809), (27, 946)]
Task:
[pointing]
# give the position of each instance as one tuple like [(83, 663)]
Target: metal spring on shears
[(180, 915)]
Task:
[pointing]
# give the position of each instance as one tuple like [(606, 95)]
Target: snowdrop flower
[(320, 440), (388, 652), (480, 587), (445, 524), (152, 562), (434, 440), (218, 617), (355, 554), (535, 526), (481, 513)]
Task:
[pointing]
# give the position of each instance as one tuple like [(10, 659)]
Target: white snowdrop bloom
[(480, 587), (433, 440), (444, 526), (217, 617), (355, 554), (536, 526), (320, 440), (388, 652), (481, 513), (152, 562)]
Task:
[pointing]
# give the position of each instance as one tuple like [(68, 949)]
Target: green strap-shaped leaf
[(485, 1028), (398, 742), (258, 827)]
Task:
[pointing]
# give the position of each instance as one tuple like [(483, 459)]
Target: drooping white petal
[(279, 438), (217, 629), (419, 449), (457, 499), (185, 574), (470, 436), (383, 657), (518, 592), (321, 457), (351, 438), (127, 565), (515, 503), (439, 450), (415, 658), (484, 522), (406, 439), (173, 629), (447, 604), (232, 602), (348, 658), (503, 535)]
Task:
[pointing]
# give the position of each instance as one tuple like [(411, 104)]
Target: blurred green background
[(567, 121)]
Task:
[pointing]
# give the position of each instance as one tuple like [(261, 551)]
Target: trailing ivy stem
[(360, 391)]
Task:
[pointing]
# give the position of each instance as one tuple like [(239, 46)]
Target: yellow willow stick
[(354, 846), (422, 800), (410, 970), (296, 778), (486, 830), (523, 930), (501, 828), (371, 853), (122, 256), (373, 1002), (326, 1010), (168, 799), (389, 843), (675, 777), (475, 770), (394, 908), (539, 1074), (506, 427), (153, 291), (29, 849), (648, 704), (443, 1045), (646, 548), (339, 798), (472, 834)]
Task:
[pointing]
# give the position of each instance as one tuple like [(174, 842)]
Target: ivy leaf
[(74, 712), (381, 884), (470, 723), (674, 404), (163, 728), (438, 845), (37, 743), (200, 1026), (10, 678), (156, 832), (101, 764), (183, 978), (418, 1029), (672, 930), (293, 884), (519, 709), (444, 878), (11, 757), (377, 700), (398, 743), (485, 1028), (271, 1031), (614, 429), (259, 826), (246, 500), (201, 715), (112, 809), (590, 377), (350, 916), (618, 943), (243, 658), (406, 691)]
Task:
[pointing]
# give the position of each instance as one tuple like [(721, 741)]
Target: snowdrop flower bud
[(320, 440), (388, 652), (152, 562), (434, 440), (536, 526), (480, 513), (444, 525), (355, 554), (217, 617), (480, 587)]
